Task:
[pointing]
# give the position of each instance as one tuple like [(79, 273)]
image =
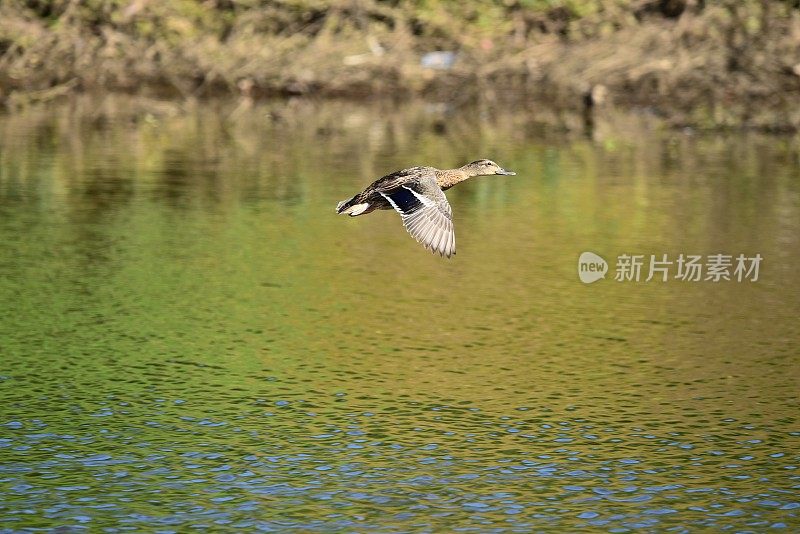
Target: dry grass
[(711, 64)]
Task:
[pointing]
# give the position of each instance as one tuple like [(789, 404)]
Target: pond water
[(191, 338)]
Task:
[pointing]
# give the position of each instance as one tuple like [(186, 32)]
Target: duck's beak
[(506, 172)]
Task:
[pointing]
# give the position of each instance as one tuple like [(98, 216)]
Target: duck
[(417, 194)]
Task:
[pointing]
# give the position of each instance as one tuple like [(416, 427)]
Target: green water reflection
[(191, 337)]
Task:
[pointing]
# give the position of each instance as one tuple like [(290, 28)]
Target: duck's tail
[(352, 207)]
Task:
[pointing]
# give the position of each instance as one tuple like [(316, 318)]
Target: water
[(192, 339)]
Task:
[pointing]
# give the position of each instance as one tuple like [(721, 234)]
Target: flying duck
[(417, 194)]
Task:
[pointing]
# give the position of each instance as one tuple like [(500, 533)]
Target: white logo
[(591, 267), (663, 267)]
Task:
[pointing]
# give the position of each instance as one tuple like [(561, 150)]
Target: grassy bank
[(708, 64)]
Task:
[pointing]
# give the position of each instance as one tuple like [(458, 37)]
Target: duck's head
[(485, 167)]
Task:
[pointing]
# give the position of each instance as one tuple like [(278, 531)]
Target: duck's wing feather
[(426, 214), (396, 179)]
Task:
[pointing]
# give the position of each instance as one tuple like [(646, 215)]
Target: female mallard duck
[(417, 193)]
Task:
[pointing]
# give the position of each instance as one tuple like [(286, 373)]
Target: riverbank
[(727, 65)]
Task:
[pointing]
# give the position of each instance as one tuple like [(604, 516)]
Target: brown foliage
[(726, 63)]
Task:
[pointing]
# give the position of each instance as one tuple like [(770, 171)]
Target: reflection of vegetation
[(720, 63), (192, 337), (217, 239), (107, 153), (183, 234)]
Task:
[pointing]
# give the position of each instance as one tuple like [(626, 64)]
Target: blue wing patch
[(404, 200)]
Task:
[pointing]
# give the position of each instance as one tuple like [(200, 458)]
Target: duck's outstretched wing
[(426, 215)]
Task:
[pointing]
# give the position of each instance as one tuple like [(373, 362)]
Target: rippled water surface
[(192, 339)]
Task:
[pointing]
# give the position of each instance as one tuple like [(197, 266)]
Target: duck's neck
[(447, 178)]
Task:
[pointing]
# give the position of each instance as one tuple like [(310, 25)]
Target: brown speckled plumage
[(417, 194)]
